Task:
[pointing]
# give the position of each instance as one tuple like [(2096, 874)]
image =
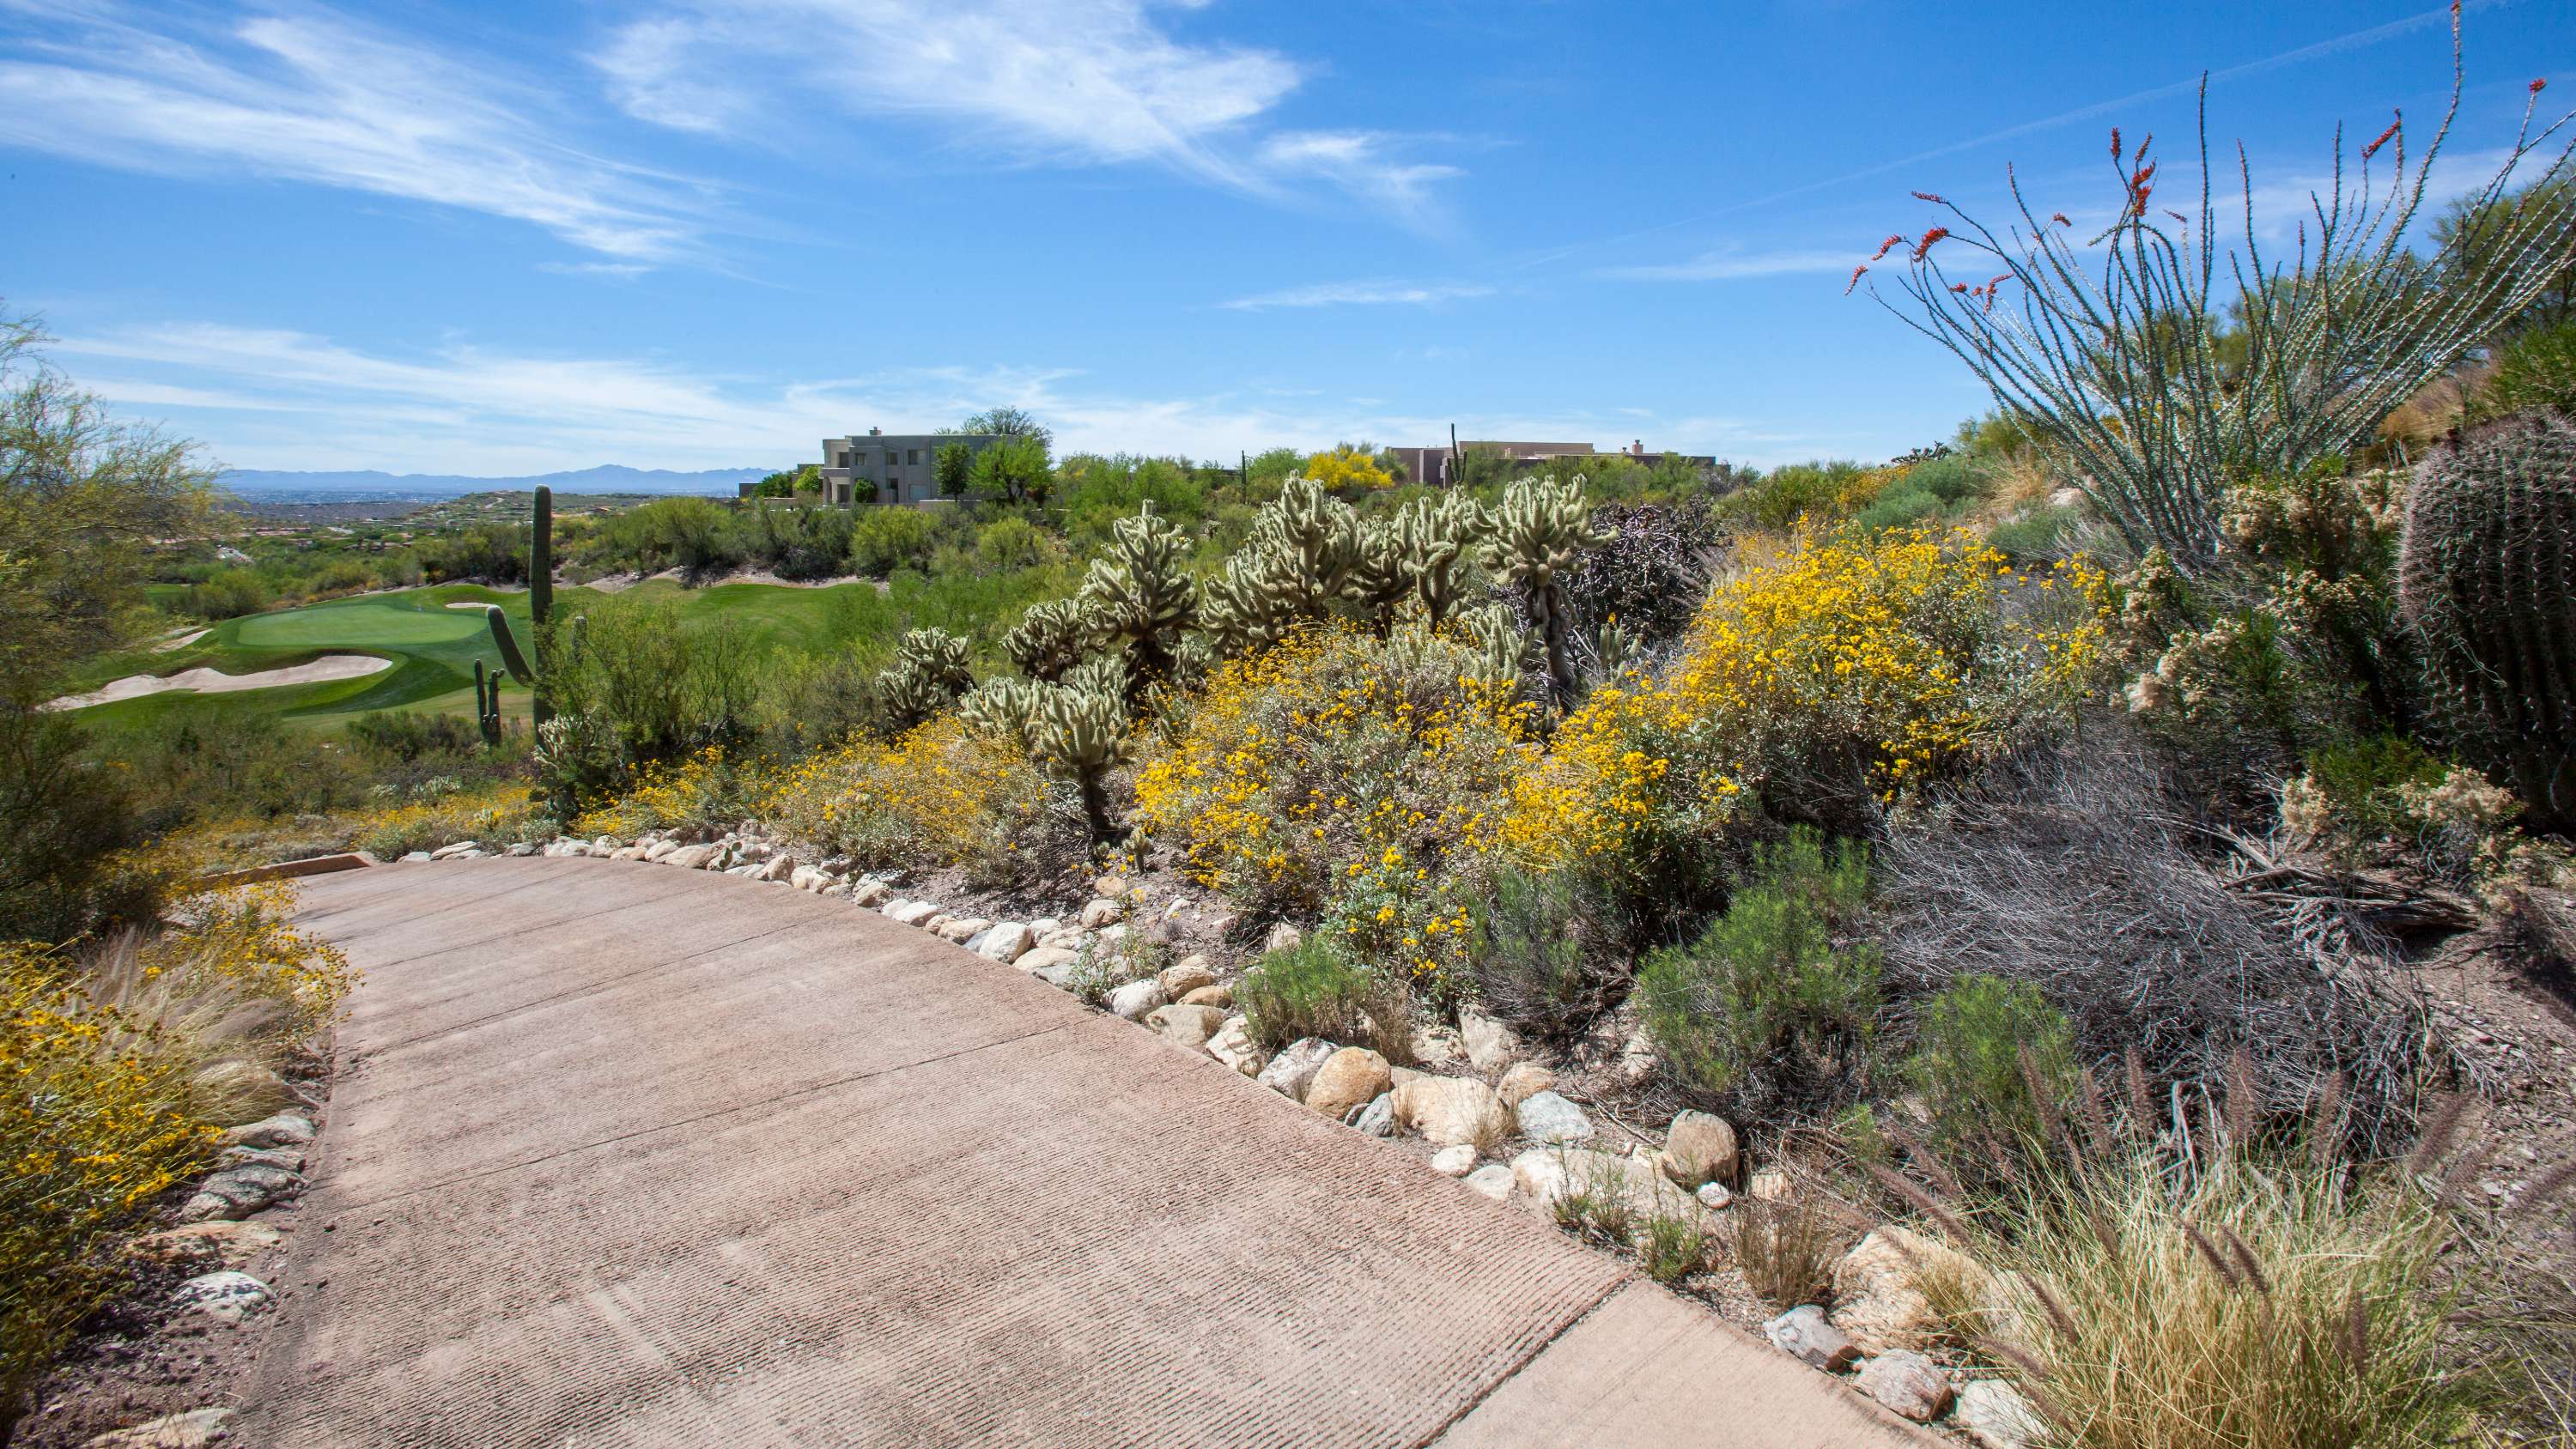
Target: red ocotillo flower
[(1855, 280), (2115, 143), (2538, 85), (2060, 218), (1958, 286), (1929, 237), (1997, 279), (2178, 216), (2373, 148), (1990, 297), (1892, 243), (1930, 197)]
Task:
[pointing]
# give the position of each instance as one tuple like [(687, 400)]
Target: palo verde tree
[(2105, 344)]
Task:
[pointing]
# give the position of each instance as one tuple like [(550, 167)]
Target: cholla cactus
[(1047, 640), (1381, 576), (1538, 530), (1082, 734), (1499, 638), (2487, 580), (1142, 598), (1619, 651), (928, 674), (1439, 538), (1300, 557), (1006, 709), (1102, 674)]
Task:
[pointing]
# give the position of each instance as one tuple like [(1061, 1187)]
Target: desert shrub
[(1993, 1061), (2071, 866), (497, 814), (1337, 770), (1674, 1246), (1315, 988), (1651, 574), (1012, 542), (1552, 947), (408, 737), (1768, 1002), (939, 795), (1826, 677), (708, 789), (229, 594), (885, 539), (818, 701), (1787, 1251), (2154, 1296), (1594, 1205), (2032, 540), (1821, 491), (1903, 507), (107, 1100), (63, 817), (2533, 372), (2387, 797)]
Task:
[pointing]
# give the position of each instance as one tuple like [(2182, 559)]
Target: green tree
[(2475, 240), (1014, 470), (1009, 422), (954, 466)]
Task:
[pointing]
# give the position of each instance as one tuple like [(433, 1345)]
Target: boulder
[(936, 921), (1185, 976), (1454, 1161), (692, 857), (1186, 1026), (1523, 1081), (414, 857), (1045, 926), (1452, 1110), (1065, 974), (237, 1192), (807, 878), (1770, 1185), (777, 868), (606, 845), (1349, 1079), (962, 929), (1994, 1415), (1377, 1119), (1493, 1180), (870, 892), (1548, 1117), (1540, 1175), (1097, 913), (1638, 1059), (1715, 1196), (1005, 943), (1491, 1046), (225, 1296), (194, 1429), (1548, 1173), (286, 1129), (1907, 1384), (1210, 996), (1876, 1299), (909, 913), (1805, 1334), (1135, 999), (1234, 1046), (1700, 1148), (1109, 888), (1283, 937), (451, 851), (1294, 1069), (1437, 1048), (226, 1244), (289, 1158), (1037, 959)]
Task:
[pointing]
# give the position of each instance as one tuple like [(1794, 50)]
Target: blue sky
[(495, 239)]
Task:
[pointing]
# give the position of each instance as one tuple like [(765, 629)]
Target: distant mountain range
[(608, 478)]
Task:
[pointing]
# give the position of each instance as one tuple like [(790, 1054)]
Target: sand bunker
[(215, 681), (180, 640)]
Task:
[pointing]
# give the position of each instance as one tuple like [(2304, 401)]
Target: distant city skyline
[(486, 240)]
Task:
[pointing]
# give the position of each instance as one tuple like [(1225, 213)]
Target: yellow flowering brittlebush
[(1335, 774), (500, 812), (941, 794), (705, 786), (1820, 662)]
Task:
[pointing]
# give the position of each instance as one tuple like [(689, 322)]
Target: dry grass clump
[(1787, 1251)]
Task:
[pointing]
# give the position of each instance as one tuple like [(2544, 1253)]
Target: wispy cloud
[(312, 97), (1727, 264), (1365, 164), (1361, 294), (281, 399)]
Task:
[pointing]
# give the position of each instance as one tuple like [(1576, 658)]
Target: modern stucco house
[(890, 468)]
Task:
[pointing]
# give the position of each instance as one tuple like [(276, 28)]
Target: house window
[(912, 456)]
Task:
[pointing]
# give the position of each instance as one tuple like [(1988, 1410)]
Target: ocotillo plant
[(2486, 571), (1537, 532)]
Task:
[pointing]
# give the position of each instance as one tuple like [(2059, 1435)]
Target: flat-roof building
[(890, 468)]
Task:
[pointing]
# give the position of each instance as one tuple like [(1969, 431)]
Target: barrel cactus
[(2487, 581), (1142, 597), (1538, 531)]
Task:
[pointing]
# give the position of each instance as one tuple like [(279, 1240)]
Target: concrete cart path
[(628, 1154)]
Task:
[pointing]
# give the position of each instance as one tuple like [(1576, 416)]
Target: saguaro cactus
[(1538, 530), (487, 703), (2487, 579), (541, 612)]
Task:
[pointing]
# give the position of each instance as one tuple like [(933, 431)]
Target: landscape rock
[(289, 1158), (1770, 1185), (1234, 1046), (1804, 1333), (1715, 1196), (1135, 999), (195, 1429), (1907, 1384), (1994, 1415), (909, 913), (1186, 1026), (1064, 974), (1185, 976), (1548, 1117), (1217, 995), (1523, 1081), (1546, 1174), (1350, 1078), (807, 878), (412, 856), (1638, 1059), (1437, 1048), (285, 1129), (1282, 937), (1099, 913), (226, 1244), (870, 892), (450, 852), (225, 1295), (1875, 1297), (693, 857), (606, 845), (243, 1085), (1109, 888), (1700, 1148), (936, 922), (1005, 943), (1377, 1119), (1493, 1180), (1452, 1110), (1037, 959), (1491, 1046), (962, 929), (778, 867), (237, 1192), (1454, 1161), (1045, 926), (523, 848), (631, 852), (1294, 1069)]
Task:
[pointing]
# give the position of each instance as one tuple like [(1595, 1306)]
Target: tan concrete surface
[(622, 1154)]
